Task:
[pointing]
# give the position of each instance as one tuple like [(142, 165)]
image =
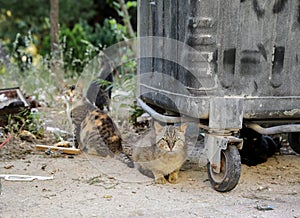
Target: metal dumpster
[(223, 64)]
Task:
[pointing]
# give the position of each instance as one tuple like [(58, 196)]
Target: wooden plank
[(63, 149)]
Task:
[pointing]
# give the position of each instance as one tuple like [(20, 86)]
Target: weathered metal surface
[(249, 50), (226, 113)]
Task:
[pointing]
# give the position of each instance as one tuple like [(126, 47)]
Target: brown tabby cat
[(94, 131), (100, 136), (78, 107), (163, 158)]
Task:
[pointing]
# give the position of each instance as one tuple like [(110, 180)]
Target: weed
[(26, 120), (135, 112)]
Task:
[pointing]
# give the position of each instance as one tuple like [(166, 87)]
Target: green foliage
[(116, 5), (25, 31), (26, 120), (21, 16), (74, 48), (135, 112), (32, 80), (82, 43), (20, 54)]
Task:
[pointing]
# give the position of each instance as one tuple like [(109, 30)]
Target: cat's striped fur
[(163, 158), (100, 136), (94, 131)]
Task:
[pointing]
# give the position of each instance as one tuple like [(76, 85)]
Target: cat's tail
[(126, 159), (144, 171)]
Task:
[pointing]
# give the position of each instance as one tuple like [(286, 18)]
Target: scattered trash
[(3, 98), (143, 118), (8, 167), (48, 151), (58, 133), (44, 166), (262, 188), (65, 144), (264, 207), (6, 140), (107, 196), (55, 148), (15, 177), (27, 136), (56, 130), (286, 148), (12, 101), (33, 102)]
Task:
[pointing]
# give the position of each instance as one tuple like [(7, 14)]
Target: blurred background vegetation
[(86, 27)]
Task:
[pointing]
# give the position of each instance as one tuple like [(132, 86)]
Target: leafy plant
[(26, 120), (81, 43), (135, 112)]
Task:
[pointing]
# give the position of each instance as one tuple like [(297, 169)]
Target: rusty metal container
[(225, 63)]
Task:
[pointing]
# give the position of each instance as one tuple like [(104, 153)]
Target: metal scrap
[(12, 101), (16, 177)]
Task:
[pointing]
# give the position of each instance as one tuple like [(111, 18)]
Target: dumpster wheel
[(230, 170), (294, 140)]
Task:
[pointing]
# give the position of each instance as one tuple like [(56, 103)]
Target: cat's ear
[(183, 127), (157, 127)]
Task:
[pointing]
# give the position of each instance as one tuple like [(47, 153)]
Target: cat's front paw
[(160, 180), (173, 177)]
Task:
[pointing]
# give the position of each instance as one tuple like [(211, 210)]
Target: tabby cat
[(78, 113), (78, 107), (163, 158), (100, 136), (98, 95), (100, 89), (94, 131)]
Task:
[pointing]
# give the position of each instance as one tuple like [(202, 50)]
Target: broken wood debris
[(27, 136), (56, 148)]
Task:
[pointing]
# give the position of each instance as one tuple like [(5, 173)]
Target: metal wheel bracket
[(213, 146)]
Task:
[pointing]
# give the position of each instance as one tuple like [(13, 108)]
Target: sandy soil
[(87, 186), (90, 186)]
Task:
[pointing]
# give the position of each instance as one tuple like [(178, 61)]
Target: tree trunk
[(54, 10), (56, 69), (127, 23)]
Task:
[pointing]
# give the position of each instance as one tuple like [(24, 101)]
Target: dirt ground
[(87, 186), (91, 186)]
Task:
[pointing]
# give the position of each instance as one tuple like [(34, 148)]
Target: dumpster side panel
[(292, 66), (246, 49), (230, 15)]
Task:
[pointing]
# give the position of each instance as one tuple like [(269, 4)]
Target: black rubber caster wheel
[(230, 170), (294, 140)]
